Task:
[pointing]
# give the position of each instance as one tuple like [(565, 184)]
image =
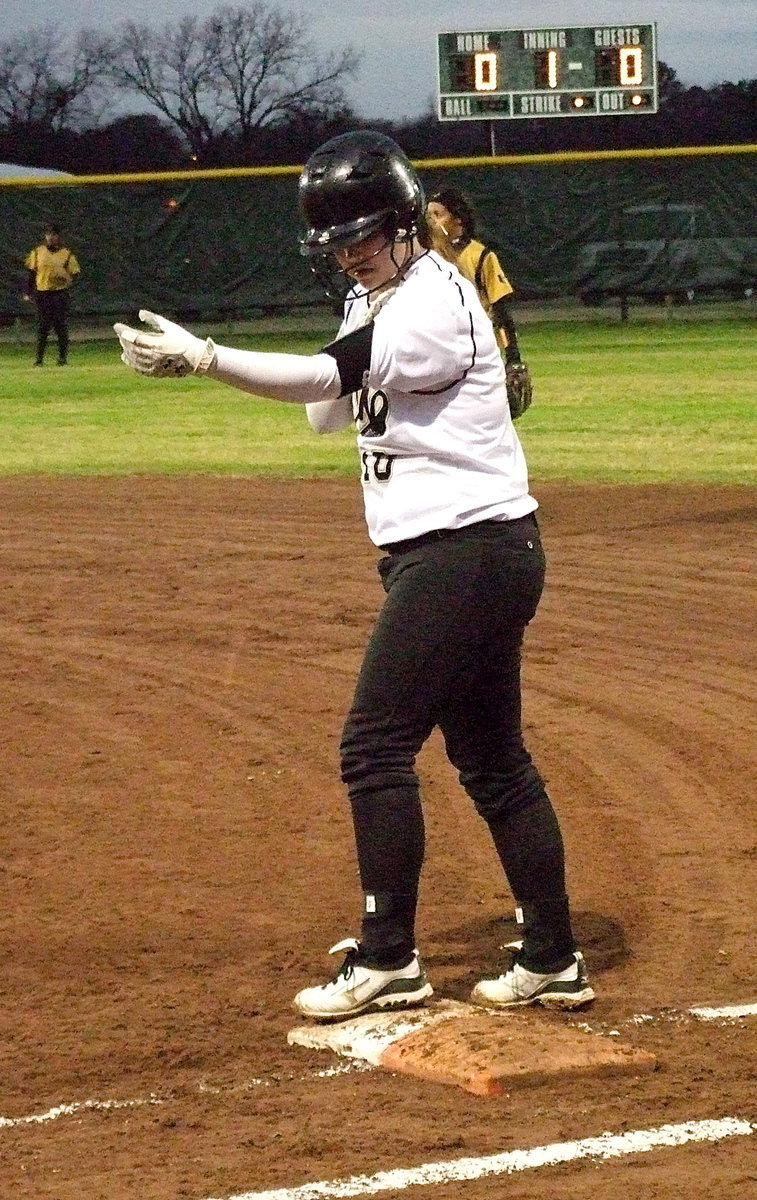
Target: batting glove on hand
[(165, 350)]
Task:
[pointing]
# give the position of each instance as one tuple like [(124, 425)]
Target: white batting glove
[(165, 349)]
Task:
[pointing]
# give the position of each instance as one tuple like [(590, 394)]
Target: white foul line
[(607, 1145), (77, 1106), (67, 1110), (730, 1013)]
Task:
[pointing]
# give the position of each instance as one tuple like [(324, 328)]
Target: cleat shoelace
[(347, 969)]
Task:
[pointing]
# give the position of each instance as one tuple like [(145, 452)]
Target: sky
[(705, 41)]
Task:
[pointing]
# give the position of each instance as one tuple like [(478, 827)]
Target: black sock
[(530, 847), (387, 939)]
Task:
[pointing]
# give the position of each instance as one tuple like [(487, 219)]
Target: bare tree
[(669, 85), (172, 71), (51, 80), (237, 71)]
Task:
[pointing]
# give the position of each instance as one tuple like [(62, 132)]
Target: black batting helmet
[(353, 186)]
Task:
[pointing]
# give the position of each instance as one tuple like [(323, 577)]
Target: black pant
[(52, 313), (445, 651)]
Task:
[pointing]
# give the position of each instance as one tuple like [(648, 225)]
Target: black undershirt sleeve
[(353, 357), (503, 319)]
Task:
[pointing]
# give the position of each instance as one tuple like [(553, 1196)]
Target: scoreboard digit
[(568, 71)]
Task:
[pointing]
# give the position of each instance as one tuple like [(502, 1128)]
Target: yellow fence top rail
[(499, 160)]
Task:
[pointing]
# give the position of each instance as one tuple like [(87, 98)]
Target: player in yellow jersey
[(453, 220), (52, 268)]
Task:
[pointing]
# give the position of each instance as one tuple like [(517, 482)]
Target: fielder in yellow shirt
[(452, 219), (52, 268)]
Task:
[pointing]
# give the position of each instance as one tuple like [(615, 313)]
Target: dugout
[(221, 244)]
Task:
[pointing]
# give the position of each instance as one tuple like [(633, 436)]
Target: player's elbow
[(329, 416)]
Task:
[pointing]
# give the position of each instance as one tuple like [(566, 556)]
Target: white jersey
[(438, 449), (437, 446)]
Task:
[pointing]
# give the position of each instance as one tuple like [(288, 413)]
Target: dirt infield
[(177, 659)]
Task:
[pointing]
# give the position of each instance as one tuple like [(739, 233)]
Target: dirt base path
[(178, 656)]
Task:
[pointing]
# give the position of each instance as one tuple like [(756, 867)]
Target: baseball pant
[(445, 651), (52, 314)]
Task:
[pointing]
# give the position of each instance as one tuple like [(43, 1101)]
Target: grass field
[(649, 400)]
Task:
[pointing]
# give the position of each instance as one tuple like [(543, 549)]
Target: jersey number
[(371, 411), (378, 464)]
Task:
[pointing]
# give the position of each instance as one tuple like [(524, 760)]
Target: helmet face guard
[(335, 279), (354, 186)]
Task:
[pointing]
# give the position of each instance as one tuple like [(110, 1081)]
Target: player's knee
[(501, 794), (373, 756)]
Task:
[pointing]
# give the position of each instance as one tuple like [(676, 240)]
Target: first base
[(485, 1053)]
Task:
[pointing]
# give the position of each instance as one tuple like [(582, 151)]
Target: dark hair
[(52, 229), (458, 204), (423, 234)]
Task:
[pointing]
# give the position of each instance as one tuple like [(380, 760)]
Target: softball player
[(452, 213), (416, 368), (452, 220), (51, 270)]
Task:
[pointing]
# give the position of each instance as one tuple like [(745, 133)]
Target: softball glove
[(519, 388)]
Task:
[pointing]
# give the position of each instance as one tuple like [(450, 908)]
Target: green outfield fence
[(222, 243)]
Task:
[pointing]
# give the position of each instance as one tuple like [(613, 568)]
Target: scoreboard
[(560, 71)]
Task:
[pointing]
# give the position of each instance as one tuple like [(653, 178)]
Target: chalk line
[(78, 1106), (606, 1146), (68, 1110), (729, 1012)]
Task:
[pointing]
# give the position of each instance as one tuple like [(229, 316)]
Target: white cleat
[(562, 989), (358, 988)]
